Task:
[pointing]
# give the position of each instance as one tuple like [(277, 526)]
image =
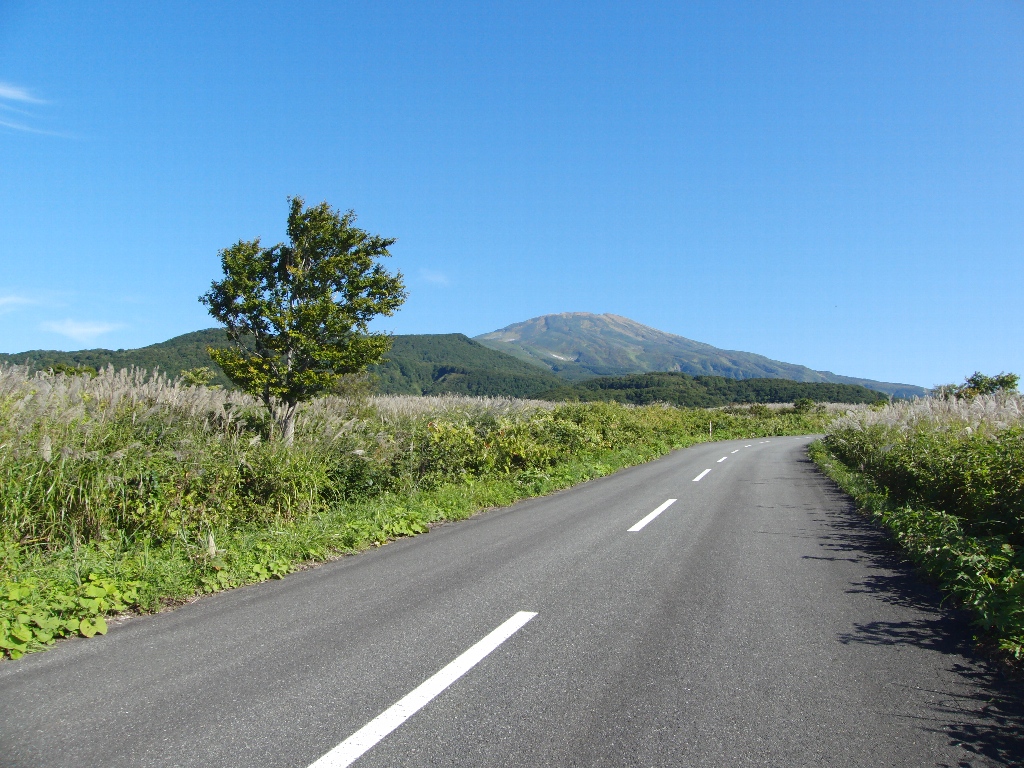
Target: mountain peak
[(578, 325), (578, 345)]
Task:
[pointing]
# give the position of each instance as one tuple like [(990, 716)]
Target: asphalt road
[(757, 620)]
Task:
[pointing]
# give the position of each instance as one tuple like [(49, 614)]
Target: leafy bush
[(32, 617)]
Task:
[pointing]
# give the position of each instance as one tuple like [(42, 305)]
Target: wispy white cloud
[(19, 127), (11, 109), (17, 93), (80, 331), (30, 129), (9, 303), (437, 278)]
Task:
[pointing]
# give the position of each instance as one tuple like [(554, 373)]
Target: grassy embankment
[(946, 477), (122, 492)]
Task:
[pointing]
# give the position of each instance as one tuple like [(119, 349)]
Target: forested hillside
[(707, 391), (431, 364), (418, 364), (172, 356)]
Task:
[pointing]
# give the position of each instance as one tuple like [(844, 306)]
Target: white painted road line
[(721, 460), (737, 450), (698, 477), (654, 514), (746, 446), (352, 748)]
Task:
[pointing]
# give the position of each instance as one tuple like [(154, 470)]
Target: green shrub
[(34, 615)]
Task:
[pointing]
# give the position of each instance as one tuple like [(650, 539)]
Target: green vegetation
[(416, 364), (72, 370), (435, 364), (978, 384), (708, 391), (946, 476), (580, 345), (297, 315), (198, 377), (122, 492)]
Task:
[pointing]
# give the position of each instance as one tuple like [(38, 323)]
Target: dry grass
[(33, 400), (28, 399), (987, 413), (412, 406)]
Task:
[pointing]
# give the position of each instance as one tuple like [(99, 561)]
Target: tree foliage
[(708, 391), (72, 370), (432, 364), (297, 315), (978, 384), (201, 376)]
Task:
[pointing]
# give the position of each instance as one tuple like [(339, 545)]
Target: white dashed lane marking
[(352, 748), (639, 526)]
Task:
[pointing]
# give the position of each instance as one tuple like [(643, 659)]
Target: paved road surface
[(755, 621)]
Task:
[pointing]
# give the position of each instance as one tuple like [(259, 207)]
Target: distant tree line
[(708, 391)]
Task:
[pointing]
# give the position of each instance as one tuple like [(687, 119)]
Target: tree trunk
[(288, 423)]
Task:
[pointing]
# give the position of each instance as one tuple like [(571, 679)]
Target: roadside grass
[(130, 492), (946, 478)]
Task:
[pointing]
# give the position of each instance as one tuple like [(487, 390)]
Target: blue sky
[(835, 185)]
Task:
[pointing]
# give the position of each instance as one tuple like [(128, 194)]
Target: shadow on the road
[(985, 712), (996, 730)]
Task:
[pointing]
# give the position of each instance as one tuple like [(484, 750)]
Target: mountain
[(421, 364), (543, 355), (431, 364), (580, 345), (708, 391), (171, 357)]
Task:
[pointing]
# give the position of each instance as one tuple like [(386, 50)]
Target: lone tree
[(297, 315)]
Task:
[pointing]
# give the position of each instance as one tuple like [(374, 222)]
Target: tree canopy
[(979, 384), (297, 315)]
